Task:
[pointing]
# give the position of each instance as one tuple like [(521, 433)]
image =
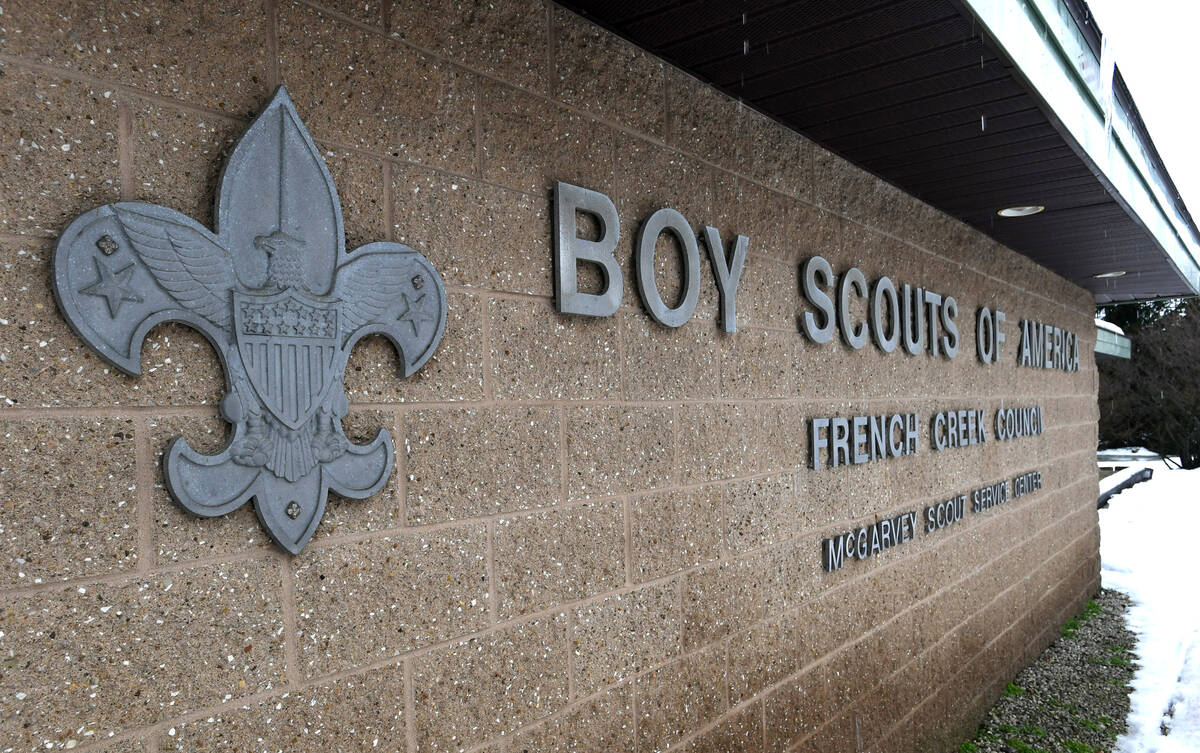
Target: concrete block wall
[(600, 534)]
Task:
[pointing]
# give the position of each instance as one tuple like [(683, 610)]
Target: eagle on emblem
[(283, 303)]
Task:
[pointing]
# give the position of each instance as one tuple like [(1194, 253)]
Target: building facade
[(600, 532)]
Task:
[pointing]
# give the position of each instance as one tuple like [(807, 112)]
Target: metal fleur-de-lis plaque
[(274, 290)]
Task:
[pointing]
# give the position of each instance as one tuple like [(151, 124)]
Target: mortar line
[(676, 454), (66, 72), (485, 346), (969, 524), (571, 691), (627, 512), (501, 295), (680, 598), (725, 671), (764, 725), (771, 257), (271, 7), (767, 691), (132, 575), (810, 168), (334, 144), (144, 473), (125, 149), (551, 54), (783, 260), (46, 242), (635, 702), (389, 202), (493, 598), (612, 124), (841, 217), (477, 118), (561, 415), (266, 695), (115, 86), (399, 426), (385, 9), (410, 706), (291, 636), (815, 407), (1014, 625), (116, 412), (622, 371), (396, 39), (945, 543), (153, 731), (331, 540), (724, 545)]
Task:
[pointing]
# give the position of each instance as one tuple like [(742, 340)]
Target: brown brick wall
[(600, 534)]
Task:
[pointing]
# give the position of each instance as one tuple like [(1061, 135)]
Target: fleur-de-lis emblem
[(274, 290)]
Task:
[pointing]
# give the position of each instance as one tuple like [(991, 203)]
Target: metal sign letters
[(283, 303)]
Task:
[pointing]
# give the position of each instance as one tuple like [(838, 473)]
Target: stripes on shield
[(289, 376)]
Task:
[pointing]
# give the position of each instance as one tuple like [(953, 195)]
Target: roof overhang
[(1050, 51), (969, 105)]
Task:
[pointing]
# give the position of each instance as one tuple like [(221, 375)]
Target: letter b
[(569, 248)]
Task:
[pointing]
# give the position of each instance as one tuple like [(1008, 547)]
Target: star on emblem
[(256, 320), (413, 315), (113, 286)]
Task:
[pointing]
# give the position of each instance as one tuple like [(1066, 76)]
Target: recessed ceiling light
[(1021, 211), (1104, 275)]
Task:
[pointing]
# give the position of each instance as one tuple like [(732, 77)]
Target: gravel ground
[(1075, 697)]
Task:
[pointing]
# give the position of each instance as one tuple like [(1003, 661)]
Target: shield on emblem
[(288, 342)]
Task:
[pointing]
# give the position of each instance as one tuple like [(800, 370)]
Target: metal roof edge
[(1047, 49), (1111, 344)]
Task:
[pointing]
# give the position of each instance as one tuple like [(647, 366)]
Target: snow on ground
[(1148, 549)]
